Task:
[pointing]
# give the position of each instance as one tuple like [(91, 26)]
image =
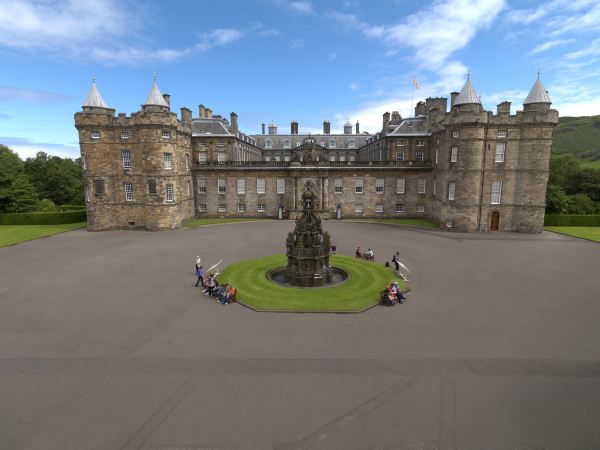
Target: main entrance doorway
[(495, 221)]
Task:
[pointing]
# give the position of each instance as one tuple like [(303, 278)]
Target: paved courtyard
[(106, 344)]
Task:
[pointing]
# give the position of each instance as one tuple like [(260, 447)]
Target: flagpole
[(412, 98)]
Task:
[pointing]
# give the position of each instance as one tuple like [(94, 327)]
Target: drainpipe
[(485, 149)]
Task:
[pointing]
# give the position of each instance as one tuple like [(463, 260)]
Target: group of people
[(393, 294), (223, 294), (369, 254)]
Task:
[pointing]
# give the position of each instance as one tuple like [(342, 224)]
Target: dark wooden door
[(495, 221)]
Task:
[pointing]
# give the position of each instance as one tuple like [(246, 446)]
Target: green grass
[(590, 164), (420, 223), (590, 233), (13, 234), (216, 220), (367, 280)]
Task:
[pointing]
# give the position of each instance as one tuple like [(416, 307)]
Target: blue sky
[(284, 59)]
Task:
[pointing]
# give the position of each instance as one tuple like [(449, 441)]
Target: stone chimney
[(294, 127), (262, 126), (453, 96), (167, 98), (357, 128), (503, 108), (202, 111), (234, 125), (186, 116), (208, 113), (386, 122), (326, 127)]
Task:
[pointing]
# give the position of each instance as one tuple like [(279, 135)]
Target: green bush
[(46, 205), (573, 220), (71, 207), (43, 218)]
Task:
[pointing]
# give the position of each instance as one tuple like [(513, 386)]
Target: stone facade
[(466, 169)]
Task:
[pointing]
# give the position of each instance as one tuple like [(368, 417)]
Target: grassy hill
[(579, 136)]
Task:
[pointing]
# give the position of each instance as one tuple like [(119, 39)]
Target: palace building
[(462, 167)]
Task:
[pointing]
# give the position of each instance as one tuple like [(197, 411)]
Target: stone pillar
[(326, 193), (295, 193)]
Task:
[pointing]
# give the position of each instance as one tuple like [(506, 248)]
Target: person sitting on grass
[(388, 296), (358, 252), (397, 292)]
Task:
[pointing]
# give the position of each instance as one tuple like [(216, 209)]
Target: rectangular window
[(277, 158), (496, 192), (338, 186), (222, 207), (379, 185), (95, 135), (379, 209), (99, 186), (124, 134), (267, 158), (202, 144), (126, 158), (128, 191), (421, 183), (168, 160), (281, 185), (222, 186), (170, 197), (331, 158), (400, 185), (286, 158), (420, 143), (202, 207), (420, 156), (221, 157), (201, 185), (399, 208), (399, 156), (260, 186), (358, 186), (420, 208), (501, 133), (202, 158), (342, 158), (451, 191), (352, 158), (358, 209), (454, 133), (400, 144), (260, 207), (221, 144), (166, 134), (454, 154), (241, 207), (500, 147), (152, 187), (436, 156), (241, 186)]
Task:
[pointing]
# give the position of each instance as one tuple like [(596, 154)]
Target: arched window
[(268, 143), (351, 143), (287, 143), (332, 143)]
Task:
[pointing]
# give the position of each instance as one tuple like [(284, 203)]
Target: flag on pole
[(416, 84)]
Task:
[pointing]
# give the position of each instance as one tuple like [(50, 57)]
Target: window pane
[(129, 191), (151, 187), (338, 185), (99, 186), (379, 185), (451, 191), (358, 186), (260, 185), (201, 185), (400, 184), (454, 154), (167, 160), (126, 158), (496, 192), (169, 192), (222, 186), (241, 186), (421, 185), (500, 147), (281, 185)]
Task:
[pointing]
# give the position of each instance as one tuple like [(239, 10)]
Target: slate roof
[(212, 127), (467, 94), (341, 140), (538, 94), (155, 97), (414, 126), (94, 99)]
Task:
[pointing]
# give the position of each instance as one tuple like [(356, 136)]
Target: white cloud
[(28, 148), (353, 86), (218, 37), (297, 43), (30, 95), (550, 44), (301, 7)]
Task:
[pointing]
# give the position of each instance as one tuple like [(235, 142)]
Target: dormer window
[(95, 135), (268, 143), (221, 144), (166, 134), (420, 143), (351, 143), (287, 143), (400, 143), (332, 143)]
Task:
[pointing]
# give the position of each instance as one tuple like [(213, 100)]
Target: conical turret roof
[(467, 94), (94, 99), (155, 97), (538, 94)]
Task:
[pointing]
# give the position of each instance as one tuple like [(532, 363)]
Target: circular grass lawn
[(362, 289)]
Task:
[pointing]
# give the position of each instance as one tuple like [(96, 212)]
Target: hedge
[(573, 220), (71, 207), (43, 218)]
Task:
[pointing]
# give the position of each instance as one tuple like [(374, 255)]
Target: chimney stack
[(262, 126), (294, 127), (234, 125), (208, 113), (326, 127), (386, 122), (201, 111), (357, 128), (453, 96), (167, 98), (186, 116), (503, 108)]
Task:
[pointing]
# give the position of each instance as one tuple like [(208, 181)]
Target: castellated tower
[(137, 169), (491, 170)]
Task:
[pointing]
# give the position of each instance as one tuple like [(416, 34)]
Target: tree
[(23, 197), (557, 201), (581, 204), (10, 167), (562, 168), (55, 178), (585, 181)]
